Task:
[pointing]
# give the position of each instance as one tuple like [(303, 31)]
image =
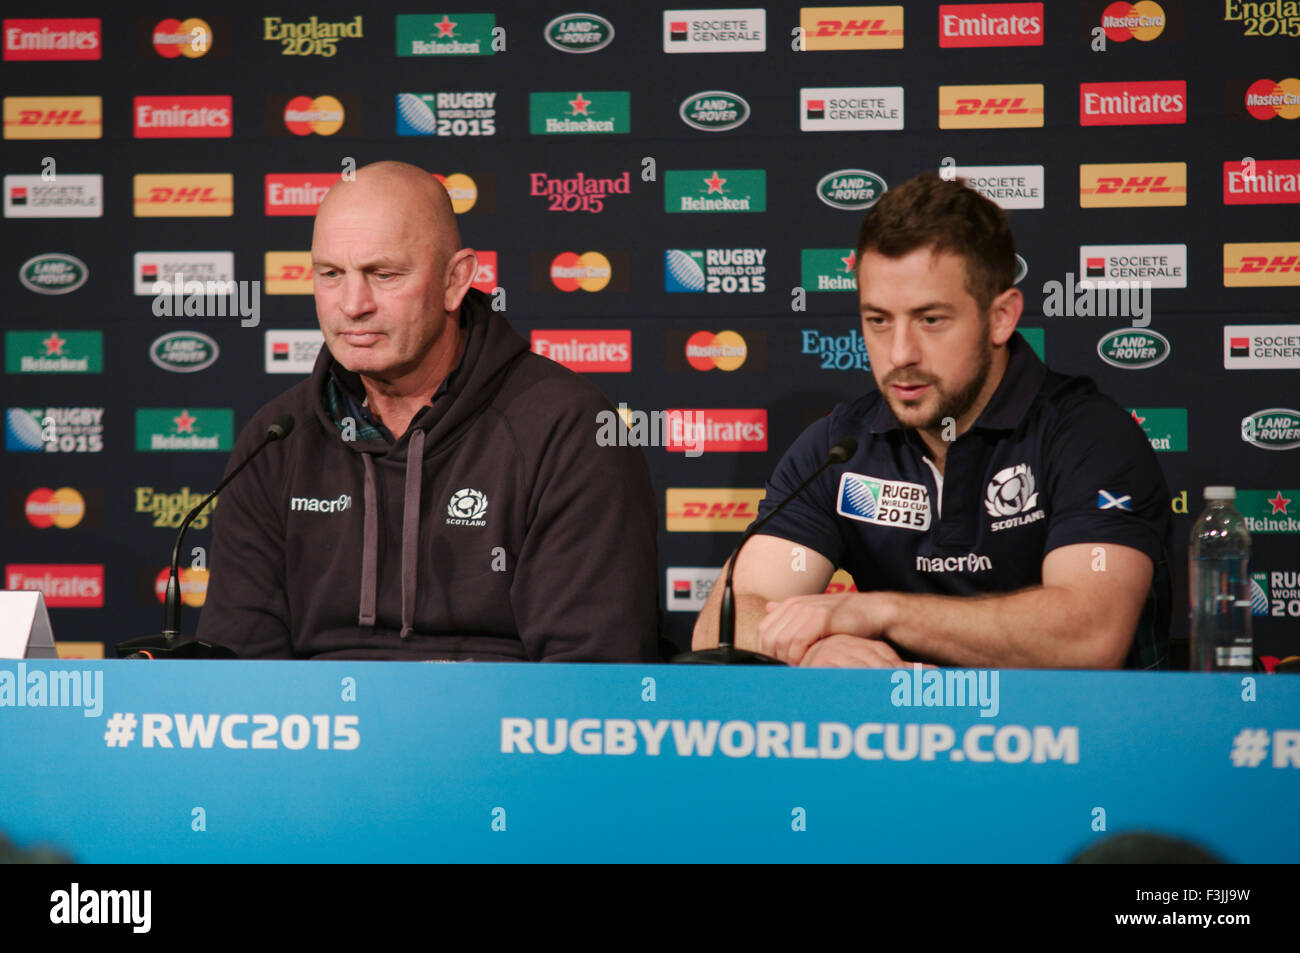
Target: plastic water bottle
[(1219, 581)]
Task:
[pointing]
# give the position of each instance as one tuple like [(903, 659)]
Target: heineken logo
[(579, 33), (54, 352), (184, 352), (714, 111), (171, 428), (851, 189), (1133, 349), (715, 190), (1277, 428), (583, 112), (1165, 427), (53, 274)]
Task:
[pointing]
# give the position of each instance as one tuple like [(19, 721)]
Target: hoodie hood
[(491, 349)]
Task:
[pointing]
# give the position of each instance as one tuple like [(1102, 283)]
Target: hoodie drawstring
[(411, 529), (410, 538), (369, 549)]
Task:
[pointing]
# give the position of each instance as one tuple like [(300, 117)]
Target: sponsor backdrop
[(665, 200)]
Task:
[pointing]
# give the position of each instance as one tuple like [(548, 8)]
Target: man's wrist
[(884, 611)]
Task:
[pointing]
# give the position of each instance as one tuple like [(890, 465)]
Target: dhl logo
[(185, 195), (1108, 184), (53, 117), (1012, 106), (1261, 264), (992, 107), (711, 510), (1119, 185), (288, 273), (852, 28)]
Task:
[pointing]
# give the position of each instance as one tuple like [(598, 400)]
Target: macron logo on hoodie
[(305, 504)]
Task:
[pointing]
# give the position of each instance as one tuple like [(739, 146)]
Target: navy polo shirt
[(1049, 462)]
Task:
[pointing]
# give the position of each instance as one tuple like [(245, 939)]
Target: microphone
[(726, 653), (170, 644)]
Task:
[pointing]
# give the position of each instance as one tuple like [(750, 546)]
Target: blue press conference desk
[(380, 761)]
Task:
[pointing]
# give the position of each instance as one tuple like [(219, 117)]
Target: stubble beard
[(951, 405)]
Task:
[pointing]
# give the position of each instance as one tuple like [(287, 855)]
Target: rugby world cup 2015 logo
[(859, 496), (1011, 491)]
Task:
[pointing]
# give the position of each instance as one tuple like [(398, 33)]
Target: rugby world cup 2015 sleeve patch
[(885, 502)]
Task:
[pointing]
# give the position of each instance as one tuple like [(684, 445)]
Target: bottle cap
[(1220, 492)]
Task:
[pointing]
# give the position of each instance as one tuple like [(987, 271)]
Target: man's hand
[(849, 651), (791, 627)]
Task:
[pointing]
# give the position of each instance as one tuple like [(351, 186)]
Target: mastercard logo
[(461, 189), (64, 507), (1142, 21), (191, 38), (725, 350), (1266, 99), (194, 585), (589, 271), (322, 115)]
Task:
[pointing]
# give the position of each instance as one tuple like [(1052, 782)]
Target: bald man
[(443, 496)]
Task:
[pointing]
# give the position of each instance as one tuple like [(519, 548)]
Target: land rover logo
[(1133, 349), (184, 351), (1022, 269), (579, 33), (1277, 428), (851, 189), (714, 111), (53, 274)]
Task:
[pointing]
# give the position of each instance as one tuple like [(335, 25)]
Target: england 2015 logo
[(467, 507)]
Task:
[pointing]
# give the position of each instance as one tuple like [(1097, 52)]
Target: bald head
[(399, 197)]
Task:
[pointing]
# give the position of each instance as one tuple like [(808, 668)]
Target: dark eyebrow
[(919, 309)]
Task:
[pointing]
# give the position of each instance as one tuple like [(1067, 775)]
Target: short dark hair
[(947, 216)]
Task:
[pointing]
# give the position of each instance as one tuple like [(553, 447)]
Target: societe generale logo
[(600, 351), (1006, 106), (990, 24), (711, 510), (1124, 184)]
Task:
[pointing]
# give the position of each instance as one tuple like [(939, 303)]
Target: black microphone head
[(281, 427), (843, 449)]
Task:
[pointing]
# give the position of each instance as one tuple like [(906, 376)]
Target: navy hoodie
[(495, 528)]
